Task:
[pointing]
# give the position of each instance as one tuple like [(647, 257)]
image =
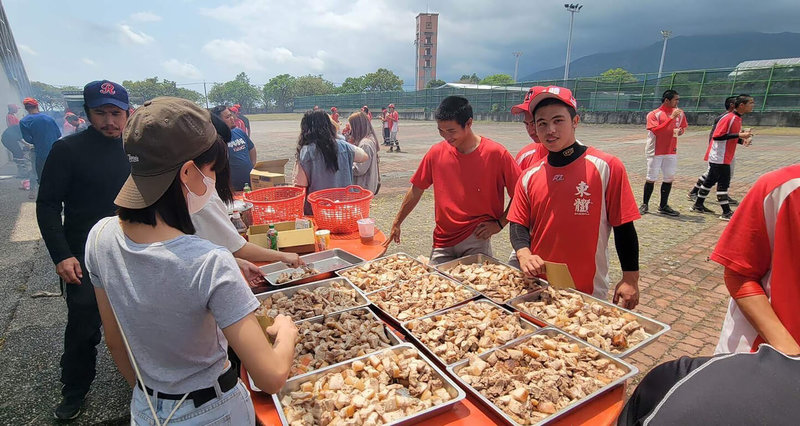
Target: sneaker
[(669, 211), (726, 215), (733, 201), (701, 209), (692, 196), (643, 209), (69, 408)]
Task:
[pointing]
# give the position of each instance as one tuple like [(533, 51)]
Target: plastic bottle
[(247, 188), (238, 222), (272, 235)]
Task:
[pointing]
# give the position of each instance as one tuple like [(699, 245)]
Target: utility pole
[(205, 92), (572, 9), (666, 34), (516, 64)]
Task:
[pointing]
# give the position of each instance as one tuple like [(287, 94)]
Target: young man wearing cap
[(335, 115), (39, 130), (534, 151), (664, 124), (469, 174), (565, 206), (11, 117), (81, 178), (727, 134), (392, 118), (245, 121), (241, 149)]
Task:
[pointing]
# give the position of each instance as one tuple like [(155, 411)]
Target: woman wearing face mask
[(212, 223), (170, 301)]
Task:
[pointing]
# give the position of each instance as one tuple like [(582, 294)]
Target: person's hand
[(745, 135), (293, 260), (626, 293), (283, 326), (747, 142), (69, 270), (676, 113), (485, 230), (393, 236), (531, 264), (681, 131), (250, 271)]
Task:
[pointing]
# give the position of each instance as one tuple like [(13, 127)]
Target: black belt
[(226, 382)]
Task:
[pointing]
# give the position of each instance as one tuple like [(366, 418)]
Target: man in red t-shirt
[(664, 125), (759, 252), (469, 174), (392, 119), (11, 117), (726, 136), (335, 115), (565, 206), (532, 152)]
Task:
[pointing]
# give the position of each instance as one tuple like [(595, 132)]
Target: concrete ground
[(679, 285)]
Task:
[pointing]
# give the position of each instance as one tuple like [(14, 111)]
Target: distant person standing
[(243, 117), (71, 124), (239, 123), (385, 125), (664, 125), (39, 130), (393, 118), (367, 174), (241, 150), (730, 102), (365, 110), (81, 178), (11, 117), (335, 115)]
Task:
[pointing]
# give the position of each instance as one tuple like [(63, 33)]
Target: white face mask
[(195, 202)]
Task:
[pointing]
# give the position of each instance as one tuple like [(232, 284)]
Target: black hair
[(171, 207), (454, 108), (553, 101), (729, 101), (218, 110), (223, 184), (317, 128), (668, 95), (742, 99)]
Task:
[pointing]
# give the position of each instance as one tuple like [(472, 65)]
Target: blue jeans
[(231, 408)]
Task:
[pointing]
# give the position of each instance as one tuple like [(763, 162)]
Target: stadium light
[(572, 9), (666, 34), (516, 64)]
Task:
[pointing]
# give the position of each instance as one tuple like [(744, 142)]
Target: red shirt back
[(467, 188), (530, 154)]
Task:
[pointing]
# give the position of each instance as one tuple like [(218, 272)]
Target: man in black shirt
[(82, 175)]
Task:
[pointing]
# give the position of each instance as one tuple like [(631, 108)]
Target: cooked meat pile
[(380, 389), (419, 297), (498, 282), (296, 274), (381, 273), (539, 376), (337, 338), (332, 297), (605, 327), (469, 329)]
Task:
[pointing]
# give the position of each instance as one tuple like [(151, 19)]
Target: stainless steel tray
[(525, 324), (652, 327), (393, 339), (388, 284), (631, 371), (290, 291), (396, 322), (456, 392), (325, 262), (443, 268)]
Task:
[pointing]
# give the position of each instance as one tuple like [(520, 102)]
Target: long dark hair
[(317, 128), (222, 167)]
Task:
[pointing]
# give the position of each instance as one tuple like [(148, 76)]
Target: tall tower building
[(425, 43)]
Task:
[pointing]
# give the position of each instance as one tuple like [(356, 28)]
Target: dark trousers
[(80, 338), (720, 175), (39, 165), (385, 134)]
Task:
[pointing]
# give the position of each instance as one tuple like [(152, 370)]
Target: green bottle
[(247, 188), (272, 235)]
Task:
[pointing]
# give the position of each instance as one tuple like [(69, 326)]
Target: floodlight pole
[(666, 34), (572, 9), (516, 64)]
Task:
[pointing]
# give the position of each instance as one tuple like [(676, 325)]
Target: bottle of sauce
[(272, 236)]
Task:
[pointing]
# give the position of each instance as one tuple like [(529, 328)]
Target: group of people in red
[(390, 123)]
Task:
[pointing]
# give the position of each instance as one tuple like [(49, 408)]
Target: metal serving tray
[(456, 392), (393, 339), (289, 292), (388, 284), (631, 371), (325, 262), (524, 323), (443, 268), (652, 327), (396, 322)]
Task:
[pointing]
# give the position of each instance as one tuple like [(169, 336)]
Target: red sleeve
[(740, 286), (723, 125), (520, 209), (511, 173), (423, 177), (653, 122), (744, 245), (620, 204), (684, 123)]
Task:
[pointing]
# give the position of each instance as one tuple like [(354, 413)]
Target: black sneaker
[(733, 201), (69, 408), (643, 209), (669, 211), (701, 209), (726, 215), (692, 196)]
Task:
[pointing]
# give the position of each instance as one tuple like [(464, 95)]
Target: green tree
[(149, 88), (470, 79), (353, 85), (309, 85), (435, 83), (237, 91), (382, 80), (279, 92), (49, 97), (497, 80), (617, 75)]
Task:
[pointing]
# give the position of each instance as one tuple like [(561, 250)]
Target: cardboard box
[(289, 239), (266, 174)]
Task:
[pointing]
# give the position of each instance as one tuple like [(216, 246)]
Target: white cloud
[(182, 69), (146, 16), (133, 36), (24, 48), (88, 61), (242, 55)]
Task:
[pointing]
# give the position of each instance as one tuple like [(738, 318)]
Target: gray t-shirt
[(212, 223), (319, 176), (171, 298)]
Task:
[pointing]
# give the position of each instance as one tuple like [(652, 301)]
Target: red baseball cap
[(333, 108), (391, 105), (234, 109), (525, 105), (30, 102), (539, 93)]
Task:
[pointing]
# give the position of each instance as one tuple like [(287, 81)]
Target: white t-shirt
[(212, 223)]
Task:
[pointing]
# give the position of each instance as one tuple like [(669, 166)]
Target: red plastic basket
[(338, 209), (276, 204)]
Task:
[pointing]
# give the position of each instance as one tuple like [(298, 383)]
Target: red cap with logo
[(391, 105), (235, 109), (538, 93)]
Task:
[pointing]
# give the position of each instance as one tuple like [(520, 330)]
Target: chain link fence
[(775, 88)]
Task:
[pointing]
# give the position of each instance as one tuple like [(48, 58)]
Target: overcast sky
[(71, 43)]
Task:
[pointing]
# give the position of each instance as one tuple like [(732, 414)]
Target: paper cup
[(366, 229)]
